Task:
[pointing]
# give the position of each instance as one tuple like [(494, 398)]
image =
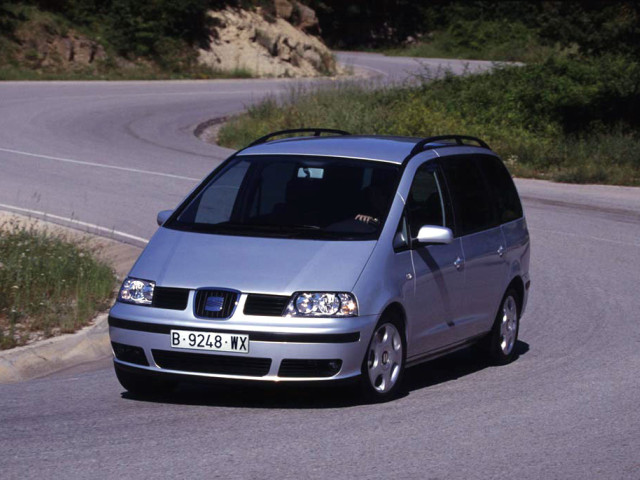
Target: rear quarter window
[(505, 196)]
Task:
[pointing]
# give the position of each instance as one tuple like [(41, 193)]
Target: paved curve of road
[(113, 154)]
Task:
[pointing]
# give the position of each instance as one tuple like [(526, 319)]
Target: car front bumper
[(281, 349)]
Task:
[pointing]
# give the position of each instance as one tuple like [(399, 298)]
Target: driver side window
[(425, 204)]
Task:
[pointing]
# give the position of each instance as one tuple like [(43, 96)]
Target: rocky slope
[(44, 44), (280, 45), (278, 39)]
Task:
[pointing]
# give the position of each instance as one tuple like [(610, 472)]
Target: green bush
[(157, 38), (562, 119), (479, 40), (483, 29), (136, 28)]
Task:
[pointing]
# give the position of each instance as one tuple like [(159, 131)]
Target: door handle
[(501, 250), (458, 263)]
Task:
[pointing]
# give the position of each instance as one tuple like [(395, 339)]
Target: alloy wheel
[(508, 325), (384, 358)]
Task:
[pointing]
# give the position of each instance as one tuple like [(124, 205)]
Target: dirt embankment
[(280, 45), (43, 44), (278, 40)]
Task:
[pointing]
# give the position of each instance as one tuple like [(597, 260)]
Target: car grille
[(213, 363), (266, 305), (171, 298), (309, 368), (215, 303)]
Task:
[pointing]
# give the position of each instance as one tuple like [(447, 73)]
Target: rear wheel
[(504, 334), (384, 361), (143, 385)]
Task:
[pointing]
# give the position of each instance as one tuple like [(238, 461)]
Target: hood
[(251, 264)]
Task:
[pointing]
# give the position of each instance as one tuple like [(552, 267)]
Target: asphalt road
[(113, 154)]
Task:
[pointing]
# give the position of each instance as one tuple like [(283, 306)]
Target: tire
[(142, 385), (502, 340), (384, 361)]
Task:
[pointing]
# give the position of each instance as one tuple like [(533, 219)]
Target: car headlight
[(136, 291), (321, 304)]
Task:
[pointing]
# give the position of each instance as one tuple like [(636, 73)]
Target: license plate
[(213, 341)]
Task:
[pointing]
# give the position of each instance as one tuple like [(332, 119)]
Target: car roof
[(381, 148), (393, 149)]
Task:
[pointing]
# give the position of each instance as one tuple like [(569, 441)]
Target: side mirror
[(163, 216), (434, 235)]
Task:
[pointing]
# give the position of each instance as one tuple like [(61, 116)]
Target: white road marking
[(117, 94), (99, 165), (173, 94), (74, 221)]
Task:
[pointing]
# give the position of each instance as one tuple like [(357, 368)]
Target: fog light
[(334, 365), (129, 354)]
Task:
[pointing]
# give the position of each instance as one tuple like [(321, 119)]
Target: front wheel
[(504, 334), (384, 361)]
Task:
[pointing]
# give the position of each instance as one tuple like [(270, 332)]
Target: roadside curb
[(56, 353), (88, 344)]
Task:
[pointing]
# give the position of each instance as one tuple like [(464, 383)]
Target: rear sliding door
[(483, 245)]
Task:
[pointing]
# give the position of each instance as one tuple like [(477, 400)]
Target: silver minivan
[(326, 257)]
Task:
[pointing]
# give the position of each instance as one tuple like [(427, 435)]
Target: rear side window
[(505, 195), (472, 202)]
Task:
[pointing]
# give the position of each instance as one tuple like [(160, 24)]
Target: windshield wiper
[(272, 226), (280, 230), (324, 234), (301, 231), (304, 227)]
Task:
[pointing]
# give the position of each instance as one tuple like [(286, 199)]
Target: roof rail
[(423, 144), (316, 133)]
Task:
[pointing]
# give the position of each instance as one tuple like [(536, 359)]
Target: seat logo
[(214, 304)]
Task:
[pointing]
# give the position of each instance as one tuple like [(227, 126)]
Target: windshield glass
[(293, 197)]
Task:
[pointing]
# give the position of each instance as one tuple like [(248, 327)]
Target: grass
[(137, 72), (48, 284), (499, 40), (563, 120)]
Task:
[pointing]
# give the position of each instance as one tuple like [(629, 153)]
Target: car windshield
[(293, 197)]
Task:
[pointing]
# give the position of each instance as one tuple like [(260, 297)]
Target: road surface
[(108, 156)]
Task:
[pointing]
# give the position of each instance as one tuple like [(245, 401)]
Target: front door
[(439, 277)]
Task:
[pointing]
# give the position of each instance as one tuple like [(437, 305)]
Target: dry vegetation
[(49, 283)]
